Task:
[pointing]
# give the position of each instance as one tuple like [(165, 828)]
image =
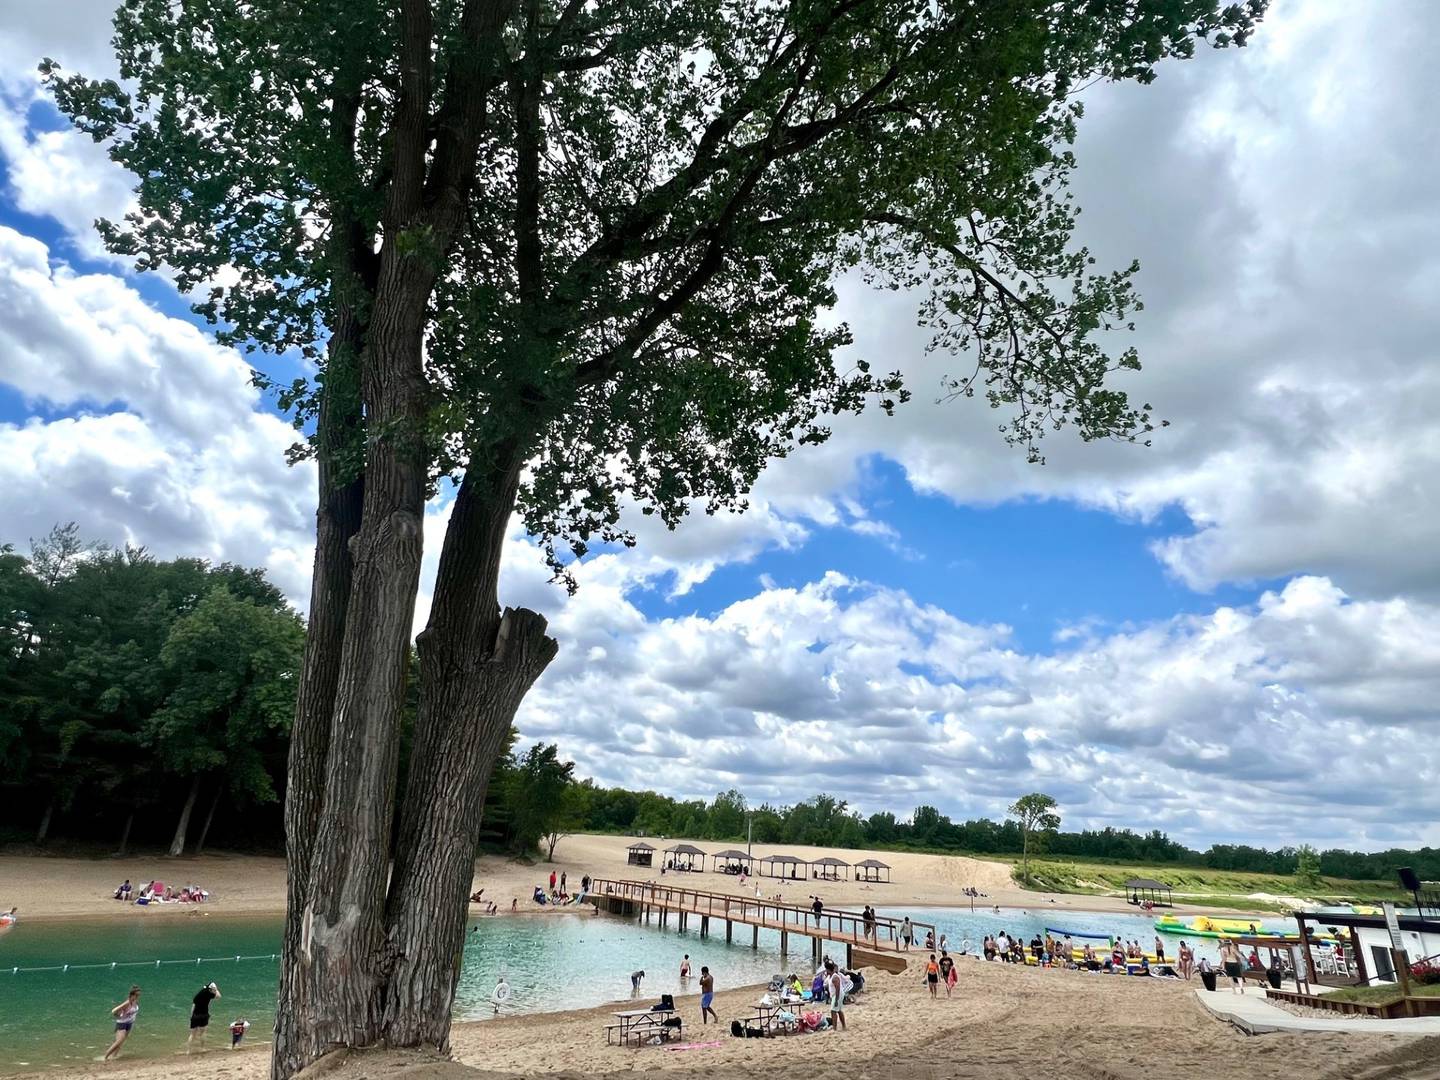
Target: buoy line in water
[(112, 965)]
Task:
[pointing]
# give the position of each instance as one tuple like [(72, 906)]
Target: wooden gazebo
[(640, 854), (830, 869), (1138, 890), (781, 866), (730, 862), (683, 856), (872, 870)]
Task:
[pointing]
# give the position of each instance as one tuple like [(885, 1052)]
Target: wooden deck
[(647, 900)]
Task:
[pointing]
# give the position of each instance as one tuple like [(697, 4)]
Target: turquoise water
[(51, 1018)]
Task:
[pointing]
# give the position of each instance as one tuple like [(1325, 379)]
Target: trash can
[(1208, 978)]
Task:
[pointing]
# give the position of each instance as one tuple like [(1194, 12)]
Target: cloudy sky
[(1232, 635)]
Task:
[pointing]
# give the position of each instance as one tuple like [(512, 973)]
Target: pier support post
[(755, 937), (704, 925), (729, 926), (784, 942)]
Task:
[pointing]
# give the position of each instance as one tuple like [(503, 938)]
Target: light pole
[(749, 832)]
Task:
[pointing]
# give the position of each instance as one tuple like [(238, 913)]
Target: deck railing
[(834, 924)]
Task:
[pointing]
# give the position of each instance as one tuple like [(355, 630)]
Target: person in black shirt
[(947, 972), (200, 1016)]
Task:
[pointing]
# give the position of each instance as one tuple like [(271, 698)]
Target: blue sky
[(912, 613)]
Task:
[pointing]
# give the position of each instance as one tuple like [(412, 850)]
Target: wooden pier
[(644, 901)]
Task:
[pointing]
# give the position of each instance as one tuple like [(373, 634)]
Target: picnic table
[(641, 1024), (767, 1012)]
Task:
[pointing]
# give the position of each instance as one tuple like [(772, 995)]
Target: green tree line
[(138, 691)]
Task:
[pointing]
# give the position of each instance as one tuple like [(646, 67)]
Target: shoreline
[(1002, 1023)]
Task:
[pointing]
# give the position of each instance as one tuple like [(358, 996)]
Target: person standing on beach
[(707, 996), (907, 934), (837, 996), (947, 971), (124, 1014), (552, 881), (932, 977), (1234, 968), (1187, 960), (1159, 951), (562, 881), (200, 1016)]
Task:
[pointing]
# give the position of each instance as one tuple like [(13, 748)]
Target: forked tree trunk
[(177, 845), (337, 520), (125, 833), (44, 829), (337, 973), (477, 664), (209, 817)]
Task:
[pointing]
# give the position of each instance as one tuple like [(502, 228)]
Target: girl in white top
[(124, 1015)]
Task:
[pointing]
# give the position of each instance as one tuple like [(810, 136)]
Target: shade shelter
[(872, 870), (640, 854), (781, 866), (683, 856), (730, 862), (1141, 890), (830, 869)]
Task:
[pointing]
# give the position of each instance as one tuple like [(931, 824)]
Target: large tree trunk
[(476, 664), (337, 520), (177, 846), (44, 830), (209, 817), (125, 834)]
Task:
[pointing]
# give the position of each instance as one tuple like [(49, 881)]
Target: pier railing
[(834, 924)]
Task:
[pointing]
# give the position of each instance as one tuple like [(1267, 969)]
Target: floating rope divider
[(113, 964)]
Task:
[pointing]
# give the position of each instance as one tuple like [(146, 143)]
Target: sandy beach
[(56, 887), (1004, 1023)]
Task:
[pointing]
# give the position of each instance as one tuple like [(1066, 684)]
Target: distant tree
[(537, 785), (1036, 816), (727, 816), (233, 665), (1307, 866)]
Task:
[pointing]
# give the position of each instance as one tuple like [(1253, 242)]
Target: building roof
[(829, 860), (874, 863), (731, 854), (1146, 883), (684, 849), (781, 858), (640, 845)]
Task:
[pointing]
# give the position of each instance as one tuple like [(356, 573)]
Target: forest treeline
[(148, 701)]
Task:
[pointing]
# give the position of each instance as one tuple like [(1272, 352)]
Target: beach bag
[(737, 1029), (752, 1032)]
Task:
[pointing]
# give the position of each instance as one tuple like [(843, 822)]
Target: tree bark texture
[(337, 521), (177, 845), (125, 833), (477, 664)]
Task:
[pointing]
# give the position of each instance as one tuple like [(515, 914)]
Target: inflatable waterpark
[(1205, 927)]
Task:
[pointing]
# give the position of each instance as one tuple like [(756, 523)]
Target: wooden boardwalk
[(646, 900)]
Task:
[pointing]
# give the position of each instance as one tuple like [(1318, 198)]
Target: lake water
[(55, 1017)]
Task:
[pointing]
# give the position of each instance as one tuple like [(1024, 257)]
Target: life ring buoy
[(501, 994)]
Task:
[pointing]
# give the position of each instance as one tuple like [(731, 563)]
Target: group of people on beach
[(128, 1011), (156, 892)]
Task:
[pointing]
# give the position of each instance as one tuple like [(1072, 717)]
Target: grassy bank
[(1217, 888), (1382, 995)]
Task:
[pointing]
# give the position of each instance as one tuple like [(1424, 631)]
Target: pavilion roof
[(829, 860), (873, 863), (684, 849), (731, 854), (1146, 883), (640, 845), (781, 858)]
